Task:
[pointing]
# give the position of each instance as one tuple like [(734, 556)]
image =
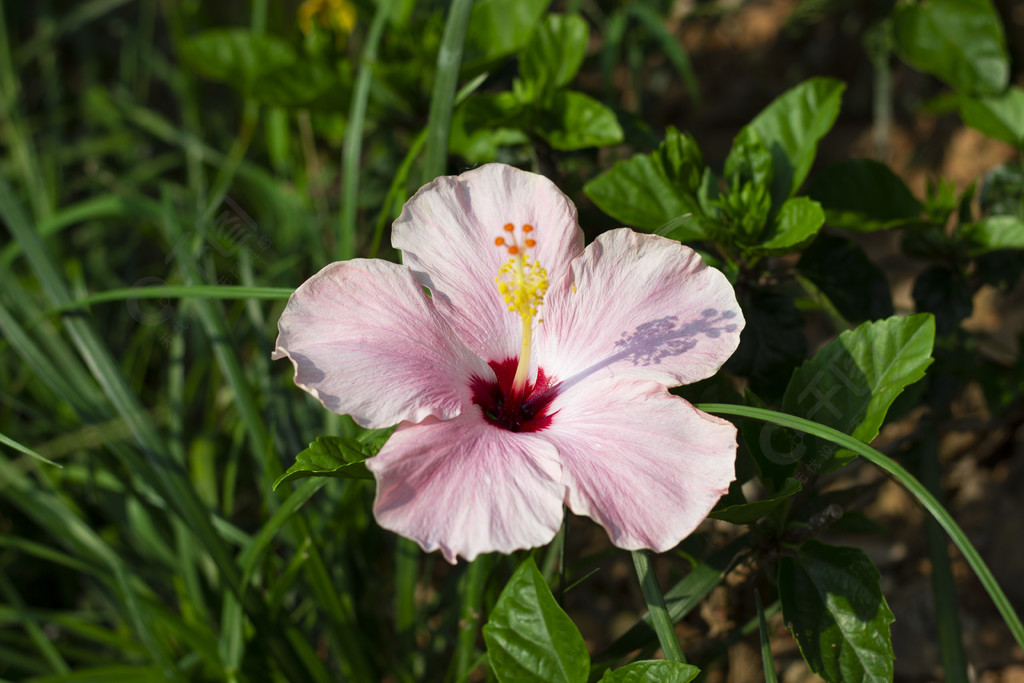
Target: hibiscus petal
[(466, 487), (645, 465), (641, 307), (446, 233), (366, 341)]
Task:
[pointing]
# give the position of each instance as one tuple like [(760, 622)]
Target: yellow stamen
[(522, 283)]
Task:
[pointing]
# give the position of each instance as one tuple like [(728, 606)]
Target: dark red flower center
[(526, 411)]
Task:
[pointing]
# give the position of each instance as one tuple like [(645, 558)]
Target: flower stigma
[(522, 283)]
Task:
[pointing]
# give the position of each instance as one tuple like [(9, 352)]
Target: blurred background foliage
[(155, 146)]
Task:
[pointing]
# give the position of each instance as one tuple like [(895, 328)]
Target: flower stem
[(656, 606)]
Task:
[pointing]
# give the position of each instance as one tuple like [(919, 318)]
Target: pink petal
[(446, 233), (642, 307), (366, 341), (466, 487), (646, 465)]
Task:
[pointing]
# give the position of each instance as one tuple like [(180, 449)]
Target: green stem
[(912, 485), (656, 606)]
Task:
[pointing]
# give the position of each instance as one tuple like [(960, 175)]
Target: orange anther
[(513, 250), (499, 241), (531, 243), (527, 228), (509, 227)]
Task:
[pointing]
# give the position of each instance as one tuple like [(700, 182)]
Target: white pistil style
[(522, 283)]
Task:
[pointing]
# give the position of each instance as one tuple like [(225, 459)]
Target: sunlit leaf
[(530, 638), (791, 127), (573, 120), (649, 190), (960, 41), (653, 671), (555, 52), (1000, 116), (330, 456), (832, 602), (850, 384)]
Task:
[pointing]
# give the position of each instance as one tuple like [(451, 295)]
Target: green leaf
[(833, 604), (1000, 117), (791, 126), (850, 384), (331, 456), (554, 53), (302, 84), (572, 120), (960, 41), (854, 285), (484, 123), (652, 671), (864, 195), (529, 637), (748, 513), (649, 190), (797, 222), (992, 234), (236, 56), (498, 29)]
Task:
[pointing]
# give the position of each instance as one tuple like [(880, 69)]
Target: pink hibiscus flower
[(534, 374)]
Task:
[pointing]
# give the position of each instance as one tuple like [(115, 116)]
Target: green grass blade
[(901, 475), (656, 607), (352, 152), (766, 644), (7, 441), (223, 292), (672, 48), (951, 648), (446, 78), (35, 632)]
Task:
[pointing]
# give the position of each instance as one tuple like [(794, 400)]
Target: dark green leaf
[(960, 41), (864, 195), (945, 294), (572, 120), (1000, 116), (554, 53), (652, 671), (649, 190), (748, 513), (850, 384), (832, 602), (529, 637), (791, 126), (854, 285), (1003, 190), (498, 29), (798, 221), (771, 343), (331, 456), (236, 56)]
